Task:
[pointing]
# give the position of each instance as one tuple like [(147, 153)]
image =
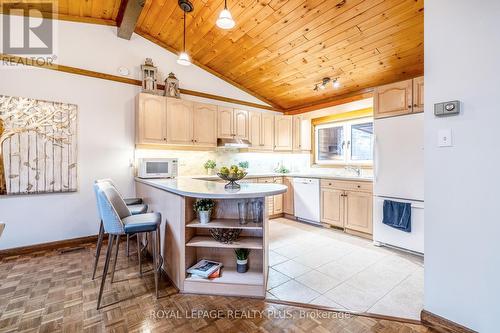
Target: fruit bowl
[(232, 178)]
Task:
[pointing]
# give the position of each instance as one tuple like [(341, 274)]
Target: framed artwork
[(38, 146)]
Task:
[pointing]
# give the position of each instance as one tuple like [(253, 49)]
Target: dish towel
[(397, 215)]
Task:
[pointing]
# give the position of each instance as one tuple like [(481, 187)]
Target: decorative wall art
[(38, 146)]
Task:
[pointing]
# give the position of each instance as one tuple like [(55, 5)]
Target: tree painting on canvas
[(38, 146)]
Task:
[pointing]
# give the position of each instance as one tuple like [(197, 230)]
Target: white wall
[(462, 227), (105, 128)]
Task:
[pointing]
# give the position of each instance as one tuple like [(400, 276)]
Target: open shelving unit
[(199, 244)]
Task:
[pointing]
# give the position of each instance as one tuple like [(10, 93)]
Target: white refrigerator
[(398, 169)]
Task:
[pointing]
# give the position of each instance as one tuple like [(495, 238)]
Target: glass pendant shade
[(225, 20), (184, 59)]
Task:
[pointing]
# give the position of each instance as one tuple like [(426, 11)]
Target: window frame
[(346, 160)]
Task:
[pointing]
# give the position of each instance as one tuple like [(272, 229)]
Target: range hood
[(233, 143)]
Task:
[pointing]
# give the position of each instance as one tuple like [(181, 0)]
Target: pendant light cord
[(225, 4), (184, 32)]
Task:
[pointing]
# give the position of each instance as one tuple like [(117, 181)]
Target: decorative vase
[(242, 265), (210, 172), (204, 216)]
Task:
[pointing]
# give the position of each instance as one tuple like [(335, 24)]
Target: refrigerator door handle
[(375, 159)]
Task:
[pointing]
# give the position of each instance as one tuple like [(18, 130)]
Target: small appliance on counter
[(157, 168)]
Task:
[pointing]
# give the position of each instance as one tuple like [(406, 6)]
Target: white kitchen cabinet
[(261, 130), (179, 122), (332, 206), (301, 133), (205, 125), (151, 119), (232, 123)]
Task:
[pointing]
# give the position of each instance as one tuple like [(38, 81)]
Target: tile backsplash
[(191, 162)]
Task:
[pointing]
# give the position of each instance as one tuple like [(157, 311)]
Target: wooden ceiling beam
[(127, 17)]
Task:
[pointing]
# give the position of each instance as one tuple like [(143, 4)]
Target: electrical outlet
[(445, 138)]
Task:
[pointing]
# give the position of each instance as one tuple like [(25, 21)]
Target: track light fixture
[(322, 85)]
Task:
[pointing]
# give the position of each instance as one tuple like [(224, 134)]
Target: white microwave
[(157, 168)]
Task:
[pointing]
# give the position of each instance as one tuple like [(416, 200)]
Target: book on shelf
[(214, 275), (204, 268)]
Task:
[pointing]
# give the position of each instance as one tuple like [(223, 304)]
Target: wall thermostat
[(447, 108)]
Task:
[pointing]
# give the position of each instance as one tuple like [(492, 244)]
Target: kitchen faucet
[(357, 170)]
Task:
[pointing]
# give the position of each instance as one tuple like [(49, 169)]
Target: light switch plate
[(444, 138)]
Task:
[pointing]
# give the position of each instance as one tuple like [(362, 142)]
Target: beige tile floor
[(327, 267)]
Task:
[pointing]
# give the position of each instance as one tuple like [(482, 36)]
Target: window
[(344, 142)]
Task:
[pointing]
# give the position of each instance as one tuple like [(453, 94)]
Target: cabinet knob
[(414, 105), (359, 186), (409, 106)]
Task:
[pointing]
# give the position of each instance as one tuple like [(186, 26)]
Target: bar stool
[(118, 221), (135, 205)]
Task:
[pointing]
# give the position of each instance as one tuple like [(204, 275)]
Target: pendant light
[(225, 20), (184, 58)]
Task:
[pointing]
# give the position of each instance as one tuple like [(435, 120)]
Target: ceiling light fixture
[(336, 83), (184, 58), (225, 20), (324, 82)]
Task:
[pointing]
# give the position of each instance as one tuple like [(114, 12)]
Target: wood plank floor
[(52, 291)]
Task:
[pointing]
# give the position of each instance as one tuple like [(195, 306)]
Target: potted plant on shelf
[(209, 167), (243, 164), (241, 260), (204, 209)]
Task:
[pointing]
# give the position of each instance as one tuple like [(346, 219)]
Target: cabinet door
[(267, 131), (301, 133), (278, 204), (179, 122), (225, 122), (283, 127), (418, 94), (205, 124), (240, 124), (151, 119), (393, 99), (332, 206), (359, 211), (254, 129), (288, 197)]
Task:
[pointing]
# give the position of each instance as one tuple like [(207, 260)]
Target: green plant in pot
[(243, 164), (204, 209), (210, 166), (241, 260)]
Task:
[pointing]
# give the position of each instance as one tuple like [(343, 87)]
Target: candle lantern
[(172, 86), (149, 77)]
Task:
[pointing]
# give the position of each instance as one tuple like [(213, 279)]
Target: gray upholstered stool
[(135, 205), (118, 221)]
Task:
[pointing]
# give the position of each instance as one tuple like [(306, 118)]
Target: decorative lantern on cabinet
[(149, 77), (172, 86)]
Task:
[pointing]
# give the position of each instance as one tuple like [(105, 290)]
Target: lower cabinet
[(358, 211), (275, 202), (332, 206), (343, 207), (288, 207)]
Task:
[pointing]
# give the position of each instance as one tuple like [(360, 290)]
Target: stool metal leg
[(105, 270), (128, 238), (100, 237), (139, 252), (116, 258), (155, 260)]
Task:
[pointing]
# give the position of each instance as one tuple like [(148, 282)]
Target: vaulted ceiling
[(279, 49)]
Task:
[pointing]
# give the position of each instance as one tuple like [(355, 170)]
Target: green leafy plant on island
[(243, 164), (203, 205)]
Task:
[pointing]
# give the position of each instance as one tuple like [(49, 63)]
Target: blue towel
[(397, 215)]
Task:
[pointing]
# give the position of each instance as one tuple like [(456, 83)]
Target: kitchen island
[(185, 240)]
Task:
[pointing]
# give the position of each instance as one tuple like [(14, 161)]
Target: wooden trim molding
[(343, 116), (441, 324), (333, 101), (66, 243), (6, 58)]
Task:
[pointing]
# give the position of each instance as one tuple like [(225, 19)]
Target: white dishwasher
[(306, 197)]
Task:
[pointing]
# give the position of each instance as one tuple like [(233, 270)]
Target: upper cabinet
[(232, 123), (283, 136), (205, 124), (151, 119), (301, 133), (261, 130), (399, 98), (418, 94), (179, 122)]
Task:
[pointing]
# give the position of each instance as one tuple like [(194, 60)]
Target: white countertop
[(291, 174), (196, 188)]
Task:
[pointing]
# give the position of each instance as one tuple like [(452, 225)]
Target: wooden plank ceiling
[(280, 49)]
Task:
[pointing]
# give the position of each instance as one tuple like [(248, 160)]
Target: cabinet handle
[(164, 139), (359, 186), (414, 105), (409, 106)]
